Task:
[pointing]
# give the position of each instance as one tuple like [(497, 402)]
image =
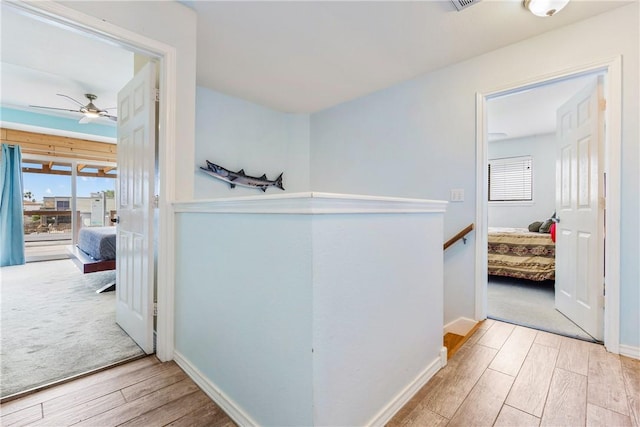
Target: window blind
[(511, 179)]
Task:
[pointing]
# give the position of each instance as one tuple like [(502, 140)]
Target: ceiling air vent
[(462, 4)]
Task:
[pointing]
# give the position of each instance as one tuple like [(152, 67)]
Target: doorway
[(611, 156), (158, 239), (522, 207)]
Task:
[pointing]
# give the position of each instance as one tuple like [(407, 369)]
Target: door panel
[(580, 231), (136, 162)]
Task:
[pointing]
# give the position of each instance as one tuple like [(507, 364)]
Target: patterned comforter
[(516, 252)]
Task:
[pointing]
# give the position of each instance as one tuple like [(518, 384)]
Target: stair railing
[(460, 235)]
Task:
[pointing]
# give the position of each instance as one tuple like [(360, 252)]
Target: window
[(511, 179)]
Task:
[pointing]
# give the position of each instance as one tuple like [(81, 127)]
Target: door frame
[(167, 66), (611, 162)]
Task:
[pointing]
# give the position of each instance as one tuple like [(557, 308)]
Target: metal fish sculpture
[(240, 178)]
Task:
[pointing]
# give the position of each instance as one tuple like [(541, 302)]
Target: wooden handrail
[(458, 236)]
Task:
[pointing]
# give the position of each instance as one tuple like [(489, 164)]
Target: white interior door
[(136, 174), (580, 209)]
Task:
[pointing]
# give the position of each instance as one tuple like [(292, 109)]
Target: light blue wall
[(541, 148), (418, 139), (52, 122), (237, 134), (249, 333)]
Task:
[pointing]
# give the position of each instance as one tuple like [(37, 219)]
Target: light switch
[(457, 195)]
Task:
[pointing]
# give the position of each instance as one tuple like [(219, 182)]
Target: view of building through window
[(48, 201)]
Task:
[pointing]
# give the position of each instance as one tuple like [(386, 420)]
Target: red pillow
[(553, 232)]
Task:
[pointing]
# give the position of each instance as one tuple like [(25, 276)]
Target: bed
[(95, 251), (519, 253)]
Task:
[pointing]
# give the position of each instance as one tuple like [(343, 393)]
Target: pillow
[(546, 226), (534, 227)]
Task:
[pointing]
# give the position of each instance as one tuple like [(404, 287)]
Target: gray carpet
[(531, 304), (55, 326)]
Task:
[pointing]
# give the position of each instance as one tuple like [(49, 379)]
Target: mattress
[(515, 252), (98, 242)]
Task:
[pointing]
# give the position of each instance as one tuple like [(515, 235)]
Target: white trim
[(401, 399), (460, 326), (312, 203), (612, 154), (167, 131), (481, 208), (613, 143), (629, 351), (512, 203), (230, 407)]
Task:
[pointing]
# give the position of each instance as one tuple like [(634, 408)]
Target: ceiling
[(40, 60), (532, 111), (290, 56)]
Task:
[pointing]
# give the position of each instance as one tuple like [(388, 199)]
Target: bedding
[(519, 253), (98, 242)]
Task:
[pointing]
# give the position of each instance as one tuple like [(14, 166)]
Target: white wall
[(541, 148), (418, 139), (237, 134)]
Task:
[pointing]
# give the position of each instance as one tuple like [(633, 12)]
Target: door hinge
[(155, 309), (603, 104), (156, 201), (157, 95)]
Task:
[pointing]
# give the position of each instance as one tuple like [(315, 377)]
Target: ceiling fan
[(90, 111)]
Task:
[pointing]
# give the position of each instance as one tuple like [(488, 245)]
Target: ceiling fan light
[(92, 114), (545, 7)]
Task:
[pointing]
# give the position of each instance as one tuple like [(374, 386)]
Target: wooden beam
[(68, 173), (60, 146), (108, 169), (80, 167)]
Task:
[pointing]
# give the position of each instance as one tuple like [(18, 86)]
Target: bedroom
[(522, 206), (69, 170)]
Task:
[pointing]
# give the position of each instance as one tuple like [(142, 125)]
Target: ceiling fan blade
[(85, 119), (53, 108), (68, 97), (104, 113)]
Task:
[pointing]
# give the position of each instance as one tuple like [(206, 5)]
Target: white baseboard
[(401, 399), (629, 351), (460, 326), (229, 406)]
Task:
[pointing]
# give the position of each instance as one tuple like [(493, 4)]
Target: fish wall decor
[(240, 178)]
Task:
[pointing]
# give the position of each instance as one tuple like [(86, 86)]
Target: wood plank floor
[(503, 375), (145, 392), (506, 375)]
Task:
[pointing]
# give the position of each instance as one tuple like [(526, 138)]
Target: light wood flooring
[(503, 375), (507, 375), (141, 393)]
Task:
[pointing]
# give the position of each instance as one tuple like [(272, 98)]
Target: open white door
[(580, 209), (136, 174)]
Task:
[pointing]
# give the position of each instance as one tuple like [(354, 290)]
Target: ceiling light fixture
[(545, 7)]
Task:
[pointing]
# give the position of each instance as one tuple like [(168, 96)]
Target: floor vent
[(462, 4)]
